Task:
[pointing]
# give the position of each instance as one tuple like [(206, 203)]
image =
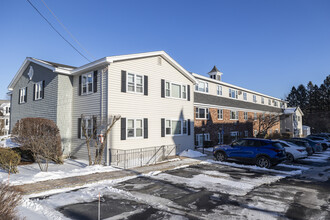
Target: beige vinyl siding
[(153, 107)]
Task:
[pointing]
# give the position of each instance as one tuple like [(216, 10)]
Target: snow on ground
[(191, 153), (293, 166), (31, 173), (5, 142)]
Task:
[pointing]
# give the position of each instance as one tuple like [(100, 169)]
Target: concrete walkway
[(77, 181)]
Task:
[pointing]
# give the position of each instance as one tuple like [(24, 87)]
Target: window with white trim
[(7, 121), (87, 123), (233, 115), (184, 127), (220, 114), (87, 83), (175, 90), (38, 91), (262, 100), (269, 101), (22, 94), (176, 127), (202, 113), (245, 116), (233, 93), (245, 96), (134, 128), (275, 103), (254, 98), (134, 83), (202, 86), (219, 90)]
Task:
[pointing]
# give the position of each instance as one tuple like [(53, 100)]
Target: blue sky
[(264, 45)]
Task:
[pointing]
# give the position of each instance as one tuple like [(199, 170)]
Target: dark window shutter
[(163, 127), (123, 129), (123, 81), (79, 89), (188, 126), (145, 85), (79, 127), (43, 89), (162, 88), (19, 96), (95, 127), (95, 81), (25, 97), (188, 96), (34, 92), (145, 127)]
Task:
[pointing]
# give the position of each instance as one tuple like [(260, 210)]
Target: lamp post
[(203, 138)]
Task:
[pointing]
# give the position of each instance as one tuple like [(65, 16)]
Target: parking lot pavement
[(213, 191)]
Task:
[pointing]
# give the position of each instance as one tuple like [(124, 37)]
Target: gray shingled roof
[(215, 69), (56, 64)]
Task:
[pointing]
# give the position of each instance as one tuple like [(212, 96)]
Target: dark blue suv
[(262, 152)]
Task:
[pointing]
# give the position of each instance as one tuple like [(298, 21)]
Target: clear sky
[(264, 45)]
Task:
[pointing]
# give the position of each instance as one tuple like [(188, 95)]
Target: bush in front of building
[(9, 160), (41, 137)]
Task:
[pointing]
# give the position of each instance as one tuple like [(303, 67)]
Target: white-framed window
[(202, 113), (22, 94), (176, 127), (246, 133), (202, 86), (175, 90), (220, 138), (7, 121), (275, 103), (134, 83), (7, 110), (245, 116), (254, 98), (255, 116), (220, 114), (245, 96), (233, 115), (87, 83), (269, 102), (219, 90), (134, 128), (262, 100), (200, 138), (233, 93), (38, 88), (87, 123)]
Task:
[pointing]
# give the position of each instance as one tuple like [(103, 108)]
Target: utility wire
[(73, 37), (57, 31)]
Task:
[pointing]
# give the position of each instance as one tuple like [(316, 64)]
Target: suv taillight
[(276, 150)]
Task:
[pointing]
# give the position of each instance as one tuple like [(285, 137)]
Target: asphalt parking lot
[(218, 191)]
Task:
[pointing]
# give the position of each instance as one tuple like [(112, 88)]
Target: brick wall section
[(213, 126)]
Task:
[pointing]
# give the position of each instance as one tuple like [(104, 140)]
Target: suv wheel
[(290, 157), (263, 162), (220, 156)]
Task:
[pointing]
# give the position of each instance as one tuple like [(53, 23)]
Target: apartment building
[(224, 112)]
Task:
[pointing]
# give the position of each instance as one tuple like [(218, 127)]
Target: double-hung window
[(219, 90), (220, 114), (87, 126), (86, 83), (269, 101), (202, 113), (254, 98), (175, 90), (245, 116), (233, 93), (134, 83), (275, 103), (244, 96), (234, 115), (202, 86), (134, 128), (38, 90), (22, 95), (184, 127), (176, 127), (262, 100)]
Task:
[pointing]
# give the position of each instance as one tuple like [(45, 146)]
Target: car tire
[(220, 156), (290, 157), (263, 162)]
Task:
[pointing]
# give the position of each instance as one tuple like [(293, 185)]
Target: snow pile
[(5, 141), (191, 153), (31, 173)]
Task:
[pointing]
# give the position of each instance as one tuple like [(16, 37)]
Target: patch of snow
[(6, 142), (191, 153), (293, 166)]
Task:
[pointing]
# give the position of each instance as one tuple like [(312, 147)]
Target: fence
[(141, 156)]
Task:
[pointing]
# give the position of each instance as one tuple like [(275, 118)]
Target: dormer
[(215, 74)]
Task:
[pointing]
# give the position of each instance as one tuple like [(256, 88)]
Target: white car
[(293, 152)]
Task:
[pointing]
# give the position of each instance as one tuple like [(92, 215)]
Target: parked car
[(293, 152), (323, 135), (315, 145), (262, 152), (302, 143), (323, 141)]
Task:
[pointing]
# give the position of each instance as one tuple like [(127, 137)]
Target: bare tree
[(2, 124), (92, 128), (10, 197), (266, 122)]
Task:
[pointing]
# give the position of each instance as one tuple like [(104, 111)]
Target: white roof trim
[(235, 87)]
